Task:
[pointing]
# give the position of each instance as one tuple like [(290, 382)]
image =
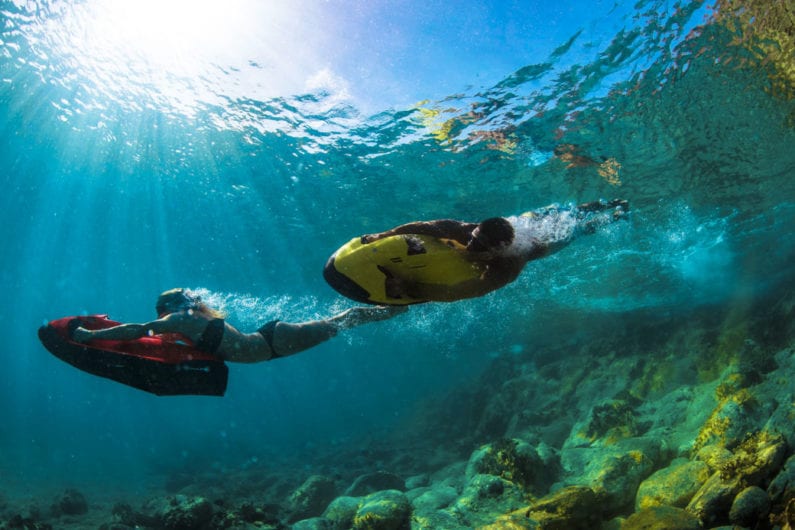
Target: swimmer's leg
[(600, 206), (589, 223)]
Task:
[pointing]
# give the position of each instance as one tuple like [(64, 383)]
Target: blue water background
[(113, 193)]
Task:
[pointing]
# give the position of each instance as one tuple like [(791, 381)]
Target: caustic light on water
[(178, 52)]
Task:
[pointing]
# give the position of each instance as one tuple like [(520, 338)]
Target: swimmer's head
[(176, 300), (492, 234)]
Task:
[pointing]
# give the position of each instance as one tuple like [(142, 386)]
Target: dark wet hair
[(492, 233)]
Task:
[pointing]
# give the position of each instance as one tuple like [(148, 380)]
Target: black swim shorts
[(267, 333)]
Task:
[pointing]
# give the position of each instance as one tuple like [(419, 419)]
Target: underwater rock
[(615, 470), (712, 501), (753, 461), (674, 485), (783, 516), (714, 455), (780, 420), (453, 475), (731, 489), (516, 520), (315, 523), (372, 482), (515, 461), (417, 481), (71, 502), (125, 515), (748, 398), (383, 510), (783, 482), (267, 513), (311, 498), (754, 363), (442, 520), (735, 415), (661, 518), (234, 519), (342, 510), (756, 458), (613, 420), (750, 506), (184, 513), (621, 476), (571, 507), (519, 403), (484, 496), (434, 499), (26, 523)]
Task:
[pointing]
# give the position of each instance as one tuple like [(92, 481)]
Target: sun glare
[(174, 34), (182, 52)]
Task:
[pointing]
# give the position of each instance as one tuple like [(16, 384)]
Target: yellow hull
[(359, 271)]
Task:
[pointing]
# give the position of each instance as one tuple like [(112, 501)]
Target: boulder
[(712, 501), (757, 458), (615, 470), (313, 523), (342, 510), (311, 498), (383, 510), (674, 485), (440, 519), (70, 502), (434, 499), (783, 482), (571, 507), (186, 513), (372, 482), (661, 518), (749, 507), (417, 481), (484, 496), (515, 461), (714, 455)]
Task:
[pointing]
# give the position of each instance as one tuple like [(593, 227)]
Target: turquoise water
[(119, 184)]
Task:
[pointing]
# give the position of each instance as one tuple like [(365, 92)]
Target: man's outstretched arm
[(444, 228)]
